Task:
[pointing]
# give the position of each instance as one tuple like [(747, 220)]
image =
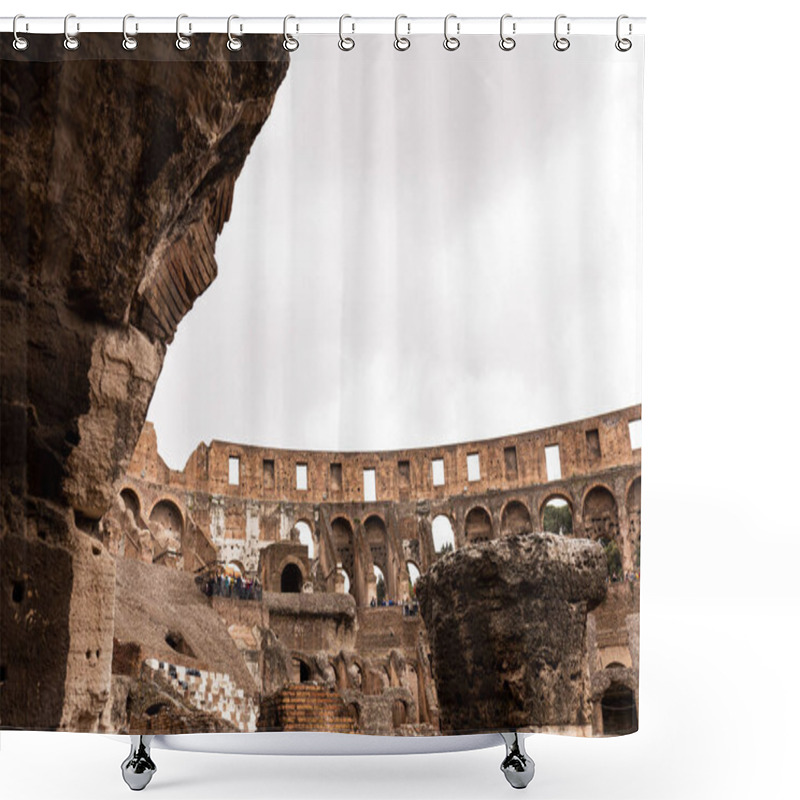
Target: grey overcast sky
[(425, 247)]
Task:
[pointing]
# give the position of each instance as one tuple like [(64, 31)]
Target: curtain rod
[(462, 26)]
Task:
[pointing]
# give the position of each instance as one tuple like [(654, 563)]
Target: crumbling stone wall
[(117, 171)]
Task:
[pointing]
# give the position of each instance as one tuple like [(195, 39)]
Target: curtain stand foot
[(138, 768), (517, 766)]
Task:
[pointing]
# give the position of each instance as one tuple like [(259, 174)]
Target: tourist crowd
[(410, 607), (238, 588)]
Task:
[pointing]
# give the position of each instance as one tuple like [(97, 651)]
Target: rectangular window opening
[(369, 486), (635, 432), (268, 468), (233, 470), (301, 477), (552, 457), (404, 473), (336, 477), (510, 457), (437, 471), (473, 467), (593, 443)]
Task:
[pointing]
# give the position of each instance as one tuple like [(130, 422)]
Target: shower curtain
[(321, 383)]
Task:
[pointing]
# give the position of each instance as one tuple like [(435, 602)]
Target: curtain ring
[(451, 42), (561, 43), (70, 42), (290, 43), (507, 42), (182, 42), (128, 42), (623, 45), (401, 42), (20, 42), (234, 43), (345, 42)]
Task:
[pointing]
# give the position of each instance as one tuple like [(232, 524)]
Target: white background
[(720, 598)]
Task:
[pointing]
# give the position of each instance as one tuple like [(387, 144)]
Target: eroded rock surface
[(116, 171), (507, 626)]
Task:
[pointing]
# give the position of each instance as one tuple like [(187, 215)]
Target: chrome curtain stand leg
[(517, 766), (138, 768)]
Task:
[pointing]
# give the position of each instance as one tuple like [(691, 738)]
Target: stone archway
[(132, 502), (166, 514), (556, 515), (516, 519), (378, 544), (618, 706), (444, 539), (291, 579), (478, 526), (600, 517)]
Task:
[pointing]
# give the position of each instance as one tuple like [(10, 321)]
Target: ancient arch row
[(353, 545)]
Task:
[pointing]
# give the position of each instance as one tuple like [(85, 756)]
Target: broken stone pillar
[(506, 621), (117, 171)]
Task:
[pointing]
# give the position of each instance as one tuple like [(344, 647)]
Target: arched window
[(619, 711), (131, 500), (601, 523), (291, 579), (167, 514), (377, 538), (516, 519), (444, 540), (600, 519), (478, 526), (557, 516)]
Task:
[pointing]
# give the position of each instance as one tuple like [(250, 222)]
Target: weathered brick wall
[(306, 707)]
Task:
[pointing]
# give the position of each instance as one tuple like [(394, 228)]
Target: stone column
[(506, 622)]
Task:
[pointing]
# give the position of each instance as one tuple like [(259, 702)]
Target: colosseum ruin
[(272, 589)]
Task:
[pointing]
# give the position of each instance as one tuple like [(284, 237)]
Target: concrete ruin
[(558, 623)]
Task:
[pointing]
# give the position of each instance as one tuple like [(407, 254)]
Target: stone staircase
[(213, 692)]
